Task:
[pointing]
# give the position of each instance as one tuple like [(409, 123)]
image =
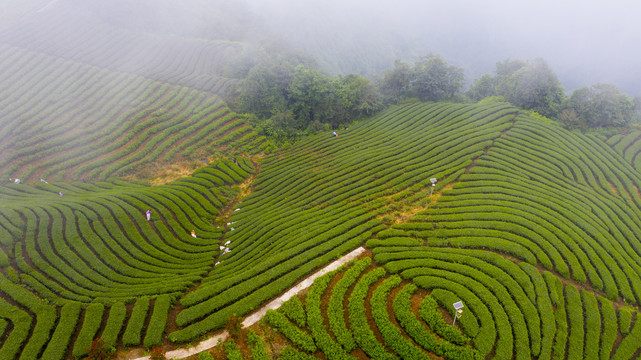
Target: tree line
[(288, 96), (534, 86)]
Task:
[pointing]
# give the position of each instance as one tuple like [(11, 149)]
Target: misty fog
[(584, 42)]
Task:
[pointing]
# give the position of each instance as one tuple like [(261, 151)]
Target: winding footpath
[(258, 314)]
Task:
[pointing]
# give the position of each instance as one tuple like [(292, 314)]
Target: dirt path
[(258, 314)]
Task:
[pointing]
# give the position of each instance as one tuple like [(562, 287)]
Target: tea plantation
[(534, 228)]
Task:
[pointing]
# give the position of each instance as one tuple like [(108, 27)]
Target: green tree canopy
[(286, 98), (599, 105), (528, 85), (431, 79)]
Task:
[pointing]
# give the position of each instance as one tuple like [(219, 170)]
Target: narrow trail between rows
[(254, 317)]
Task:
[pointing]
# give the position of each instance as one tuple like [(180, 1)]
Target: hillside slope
[(64, 120), (533, 227), (70, 31), (561, 205)]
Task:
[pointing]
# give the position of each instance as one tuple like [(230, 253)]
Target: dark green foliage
[(363, 335), (528, 85), (115, 321), (205, 356), (289, 98), (157, 322), (289, 353), (335, 312), (293, 309), (393, 337), (610, 328), (599, 105), (61, 337), (297, 336), (630, 344), (515, 195), (625, 320), (592, 325), (431, 79), (434, 320), (575, 322), (323, 340), (408, 321), (257, 346), (133, 331), (4, 259), (233, 353), (90, 326)]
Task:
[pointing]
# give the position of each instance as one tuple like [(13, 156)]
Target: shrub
[(157, 353), (205, 356), (233, 353), (90, 326), (234, 326), (257, 346), (293, 309), (4, 259), (98, 350)]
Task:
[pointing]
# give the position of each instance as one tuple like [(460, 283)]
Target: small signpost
[(433, 180), (458, 306)]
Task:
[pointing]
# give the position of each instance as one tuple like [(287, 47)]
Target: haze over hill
[(584, 42)]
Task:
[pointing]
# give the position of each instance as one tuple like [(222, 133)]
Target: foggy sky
[(584, 42)]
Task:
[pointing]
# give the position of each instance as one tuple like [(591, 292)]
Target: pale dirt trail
[(258, 314)]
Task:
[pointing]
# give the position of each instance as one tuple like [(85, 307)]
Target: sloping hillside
[(533, 227), (71, 121), (65, 30)]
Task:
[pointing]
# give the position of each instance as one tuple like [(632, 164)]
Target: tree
[(264, 91), (532, 86), (396, 82), (508, 67), (637, 109), (309, 96), (357, 96), (601, 105), (483, 87), (434, 80), (570, 119), (528, 85), (431, 79)]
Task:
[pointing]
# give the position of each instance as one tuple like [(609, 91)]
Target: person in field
[(60, 193), (148, 215), (334, 133), (193, 233)]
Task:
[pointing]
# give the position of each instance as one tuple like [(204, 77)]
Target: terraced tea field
[(64, 120), (534, 228)]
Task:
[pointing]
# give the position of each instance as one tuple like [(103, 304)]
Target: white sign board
[(458, 305), (433, 180)]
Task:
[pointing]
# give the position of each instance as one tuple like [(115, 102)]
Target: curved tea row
[(326, 200), (92, 250), (67, 120), (510, 310)]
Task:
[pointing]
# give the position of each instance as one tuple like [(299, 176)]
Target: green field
[(535, 228), (100, 123)]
